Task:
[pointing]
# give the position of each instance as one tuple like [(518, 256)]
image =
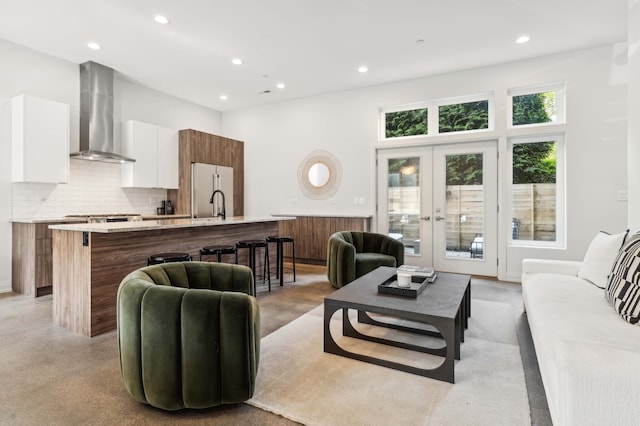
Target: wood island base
[(89, 266)]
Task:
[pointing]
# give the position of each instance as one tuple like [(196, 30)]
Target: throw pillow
[(623, 287), (602, 252)]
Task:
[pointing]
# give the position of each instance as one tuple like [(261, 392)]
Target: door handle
[(439, 218), (426, 218)]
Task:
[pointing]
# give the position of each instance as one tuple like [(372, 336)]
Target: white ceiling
[(313, 46)]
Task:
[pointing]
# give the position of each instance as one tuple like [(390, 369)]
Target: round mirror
[(319, 174)]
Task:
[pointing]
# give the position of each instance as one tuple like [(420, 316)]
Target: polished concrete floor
[(49, 375)]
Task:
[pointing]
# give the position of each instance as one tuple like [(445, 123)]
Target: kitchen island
[(90, 260)]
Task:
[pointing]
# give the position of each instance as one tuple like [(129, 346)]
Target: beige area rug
[(297, 380)]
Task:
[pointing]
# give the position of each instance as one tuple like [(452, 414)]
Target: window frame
[(433, 116), (406, 107), (465, 100), (561, 227), (558, 87)]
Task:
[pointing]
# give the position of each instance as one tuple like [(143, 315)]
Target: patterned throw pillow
[(623, 287)]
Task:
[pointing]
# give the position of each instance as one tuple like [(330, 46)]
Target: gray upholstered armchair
[(189, 334), (351, 254)]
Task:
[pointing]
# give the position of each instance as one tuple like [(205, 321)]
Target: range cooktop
[(108, 217)]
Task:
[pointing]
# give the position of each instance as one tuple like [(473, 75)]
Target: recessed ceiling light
[(280, 86), (523, 39), (161, 19), (363, 69), (94, 45), (236, 61), (223, 97)]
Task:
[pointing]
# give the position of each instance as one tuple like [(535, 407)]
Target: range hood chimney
[(96, 115)]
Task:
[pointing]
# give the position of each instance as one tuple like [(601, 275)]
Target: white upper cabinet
[(155, 150), (39, 140), (168, 158)]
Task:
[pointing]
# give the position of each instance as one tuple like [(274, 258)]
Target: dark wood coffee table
[(444, 304)]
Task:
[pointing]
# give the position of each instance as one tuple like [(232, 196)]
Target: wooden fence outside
[(533, 211), (534, 204)]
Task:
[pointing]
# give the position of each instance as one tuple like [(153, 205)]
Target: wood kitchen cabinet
[(155, 150), (32, 259), (201, 147), (312, 233), (39, 140)]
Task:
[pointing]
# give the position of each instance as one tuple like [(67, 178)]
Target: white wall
[(135, 102), (25, 71), (93, 187), (5, 194), (634, 114), (278, 137)]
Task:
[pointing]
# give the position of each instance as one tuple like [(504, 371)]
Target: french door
[(441, 202)]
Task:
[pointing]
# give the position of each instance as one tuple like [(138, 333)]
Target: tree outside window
[(463, 117), (406, 123)]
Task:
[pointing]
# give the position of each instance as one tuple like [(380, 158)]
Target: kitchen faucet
[(222, 213)]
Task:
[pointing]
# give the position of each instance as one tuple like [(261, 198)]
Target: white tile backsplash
[(93, 188)]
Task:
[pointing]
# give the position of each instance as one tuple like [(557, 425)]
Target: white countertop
[(81, 219), (164, 216), (48, 220), (148, 225)]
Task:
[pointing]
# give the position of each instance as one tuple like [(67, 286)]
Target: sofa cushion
[(586, 353), (598, 260), (623, 287)]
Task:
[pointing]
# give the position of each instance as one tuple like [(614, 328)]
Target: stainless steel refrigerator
[(205, 179)]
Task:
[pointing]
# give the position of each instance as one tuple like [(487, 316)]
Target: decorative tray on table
[(416, 286)]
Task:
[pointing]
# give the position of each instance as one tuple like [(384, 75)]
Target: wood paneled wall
[(312, 233), (201, 147)]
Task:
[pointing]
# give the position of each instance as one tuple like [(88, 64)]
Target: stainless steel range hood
[(96, 115)]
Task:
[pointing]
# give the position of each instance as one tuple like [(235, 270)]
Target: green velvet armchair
[(351, 254), (189, 334)]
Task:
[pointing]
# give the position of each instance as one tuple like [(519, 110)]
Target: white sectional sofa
[(589, 357)]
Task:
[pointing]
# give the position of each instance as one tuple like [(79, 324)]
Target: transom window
[(463, 117), (536, 105), (436, 117), (410, 122)]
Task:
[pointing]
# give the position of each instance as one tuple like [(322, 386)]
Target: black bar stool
[(252, 245), (218, 251), (280, 240), (154, 259)]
